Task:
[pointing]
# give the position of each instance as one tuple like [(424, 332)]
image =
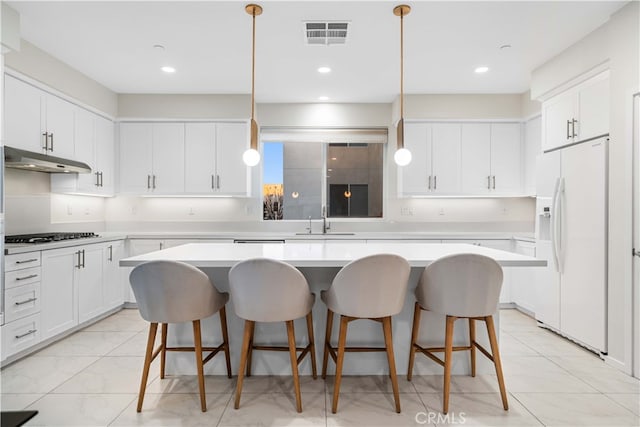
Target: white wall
[(618, 41), (43, 67), (184, 106)]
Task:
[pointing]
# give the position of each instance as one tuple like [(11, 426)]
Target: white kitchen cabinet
[(532, 149), (491, 158), (20, 335), (94, 146), (89, 278), (152, 158), (59, 290), (113, 277), (213, 158), (36, 120), (435, 165), (577, 114), (523, 283), (22, 115)]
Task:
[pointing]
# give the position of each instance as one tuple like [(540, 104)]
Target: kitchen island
[(320, 262)]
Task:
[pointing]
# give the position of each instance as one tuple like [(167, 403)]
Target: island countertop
[(323, 254)]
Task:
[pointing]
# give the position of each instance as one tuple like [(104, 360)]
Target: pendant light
[(402, 156), (251, 157)]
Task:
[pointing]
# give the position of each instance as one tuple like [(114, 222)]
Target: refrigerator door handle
[(554, 225), (560, 222)]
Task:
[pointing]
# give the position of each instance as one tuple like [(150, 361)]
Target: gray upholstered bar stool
[(459, 286), (266, 290), (175, 292), (373, 287)]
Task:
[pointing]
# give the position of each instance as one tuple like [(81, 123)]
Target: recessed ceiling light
[(168, 69), (482, 69), (158, 46), (334, 158), (505, 47), (324, 70), (323, 98)]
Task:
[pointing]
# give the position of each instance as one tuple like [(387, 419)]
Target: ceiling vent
[(325, 33)]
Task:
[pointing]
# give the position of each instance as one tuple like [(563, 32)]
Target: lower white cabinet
[(113, 274), (89, 277), (59, 290), (523, 280), (20, 335)]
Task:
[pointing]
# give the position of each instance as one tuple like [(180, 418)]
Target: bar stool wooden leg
[(312, 345), (327, 343), (294, 363), (250, 350), (147, 363), (225, 338), (388, 342), (342, 340), (472, 340), (163, 354), (248, 326), (448, 353), (197, 340), (417, 311), (495, 351)]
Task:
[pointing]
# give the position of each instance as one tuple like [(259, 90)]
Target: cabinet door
[(105, 155), (555, 114), (136, 142), (59, 296), (168, 158), (532, 149), (414, 177), (523, 285), (22, 115), (446, 142), (113, 285), (476, 158), (139, 247), (593, 107), (231, 142), (199, 161), (60, 117), (506, 158), (89, 277), (84, 131)]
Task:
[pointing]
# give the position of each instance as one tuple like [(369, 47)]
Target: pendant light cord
[(401, 64), (253, 65)]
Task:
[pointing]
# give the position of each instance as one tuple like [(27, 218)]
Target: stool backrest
[(173, 292), (373, 286), (465, 285), (267, 290)]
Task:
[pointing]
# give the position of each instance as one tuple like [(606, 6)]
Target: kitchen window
[(310, 171)]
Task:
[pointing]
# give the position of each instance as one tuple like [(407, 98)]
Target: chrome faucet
[(309, 227), (325, 227)]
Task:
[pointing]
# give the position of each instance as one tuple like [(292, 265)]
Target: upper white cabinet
[(95, 146), (213, 158), (435, 167), (152, 158), (36, 120), (491, 158), (579, 113)]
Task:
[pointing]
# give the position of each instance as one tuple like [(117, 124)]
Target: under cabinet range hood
[(29, 160)]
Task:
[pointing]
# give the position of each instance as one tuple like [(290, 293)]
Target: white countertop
[(322, 254)]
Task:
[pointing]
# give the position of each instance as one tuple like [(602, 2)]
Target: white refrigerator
[(571, 233)]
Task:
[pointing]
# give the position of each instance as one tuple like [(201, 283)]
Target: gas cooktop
[(47, 237)]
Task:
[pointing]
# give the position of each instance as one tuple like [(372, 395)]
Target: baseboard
[(616, 364)]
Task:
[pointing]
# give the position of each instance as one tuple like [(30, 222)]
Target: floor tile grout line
[(622, 406), (572, 374), (122, 411), (527, 409), (226, 407)]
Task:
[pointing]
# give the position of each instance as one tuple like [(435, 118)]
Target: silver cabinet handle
[(79, 265), (29, 332), (83, 266), (148, 182), (154, 182), (24, 261), (429, 182), (213, 182), (110, 252), (161, 245), (573, 128), (27, 301), (489, 182), (568, 124), (101, 181), (51, 136), (46, 141), (635, 252), (97, 184), (494, 182), (31, 276), (435, 182), (218, 182)]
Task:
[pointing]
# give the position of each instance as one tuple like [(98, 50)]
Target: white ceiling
[(209, 43)]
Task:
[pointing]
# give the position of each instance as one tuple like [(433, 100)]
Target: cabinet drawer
[(19, 261), (20, 335), (21, 301), (22, 277)]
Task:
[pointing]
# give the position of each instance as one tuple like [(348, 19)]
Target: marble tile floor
[(91, 379)]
